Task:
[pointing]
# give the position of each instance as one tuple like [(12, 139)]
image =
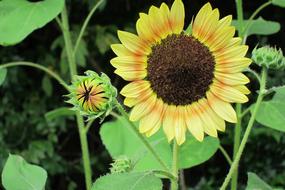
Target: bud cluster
[(269, 57)]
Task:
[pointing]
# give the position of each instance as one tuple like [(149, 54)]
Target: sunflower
[(179, 80)]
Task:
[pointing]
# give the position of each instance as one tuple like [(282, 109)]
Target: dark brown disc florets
[(180, 69)]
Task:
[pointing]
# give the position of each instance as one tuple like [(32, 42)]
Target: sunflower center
[(180, 69)]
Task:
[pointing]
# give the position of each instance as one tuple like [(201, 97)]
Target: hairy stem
[(248, 129), (226, 155), (174, 183), (37, 66), (84, 26), (80, 122)]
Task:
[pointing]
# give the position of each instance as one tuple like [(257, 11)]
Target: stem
[(248, 129), (164, 173), (80, 122), (239, 16), (85, 151), (83, 28), (68, 43), (238, 106), (174, 183), (247, 110), (236, 144), (141, 137), (182, 180), (254, 14), (37, 66), (226, 155)]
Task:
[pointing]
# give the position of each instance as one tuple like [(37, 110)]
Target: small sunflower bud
[(269, 57), (92, 95), (121, 165)]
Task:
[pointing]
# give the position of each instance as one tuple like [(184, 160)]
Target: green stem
[(254, 14), (248, 129), (37, 66), (85, 151), (165, 173), (239, 17), (238, 106), (80, 122), (141, 137), (226, 155), (68, 43), (236, 144), (83, 28), (174, 183)]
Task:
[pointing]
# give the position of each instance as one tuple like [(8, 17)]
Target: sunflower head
[(269, 57), (92, 95), (182, 81)]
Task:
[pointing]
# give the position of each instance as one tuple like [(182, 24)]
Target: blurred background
[(28, 94)]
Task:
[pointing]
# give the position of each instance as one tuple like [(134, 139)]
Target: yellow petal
[(227, 93), (207, 122), (243, 89), (133, 43), (222, 108), (132, 62), (231, 78), (154, 129), (221, 39), (130, 75), (144, 29), (168, 122), (235, 65), (143, 108), (194, 123), (177, 16), (130, 102), (180, 125), (121, 50), (134, 89), (210, 25), (201, 18), (231, 53), (149, 121)]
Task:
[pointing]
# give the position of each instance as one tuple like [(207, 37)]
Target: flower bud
[(121, 165), (92, 95), (269, 57)]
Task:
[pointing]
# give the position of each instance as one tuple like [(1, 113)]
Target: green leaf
[(272, 113), (280, 3), (3, 74), (255, 183), (260, 27), (18, 18), (130, 181), (20, 175), (193, 152), (120, 140), (59, 112), (47, 86)]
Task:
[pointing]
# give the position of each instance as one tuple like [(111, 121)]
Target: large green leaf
[(193, 152), (3, 73), (18, 18), (260, 26), (255, 183), (120, 140), (272, 113), (128, 181), (280, 3), (20, 175)]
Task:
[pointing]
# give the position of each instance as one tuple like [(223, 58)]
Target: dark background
[(28, 94)]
